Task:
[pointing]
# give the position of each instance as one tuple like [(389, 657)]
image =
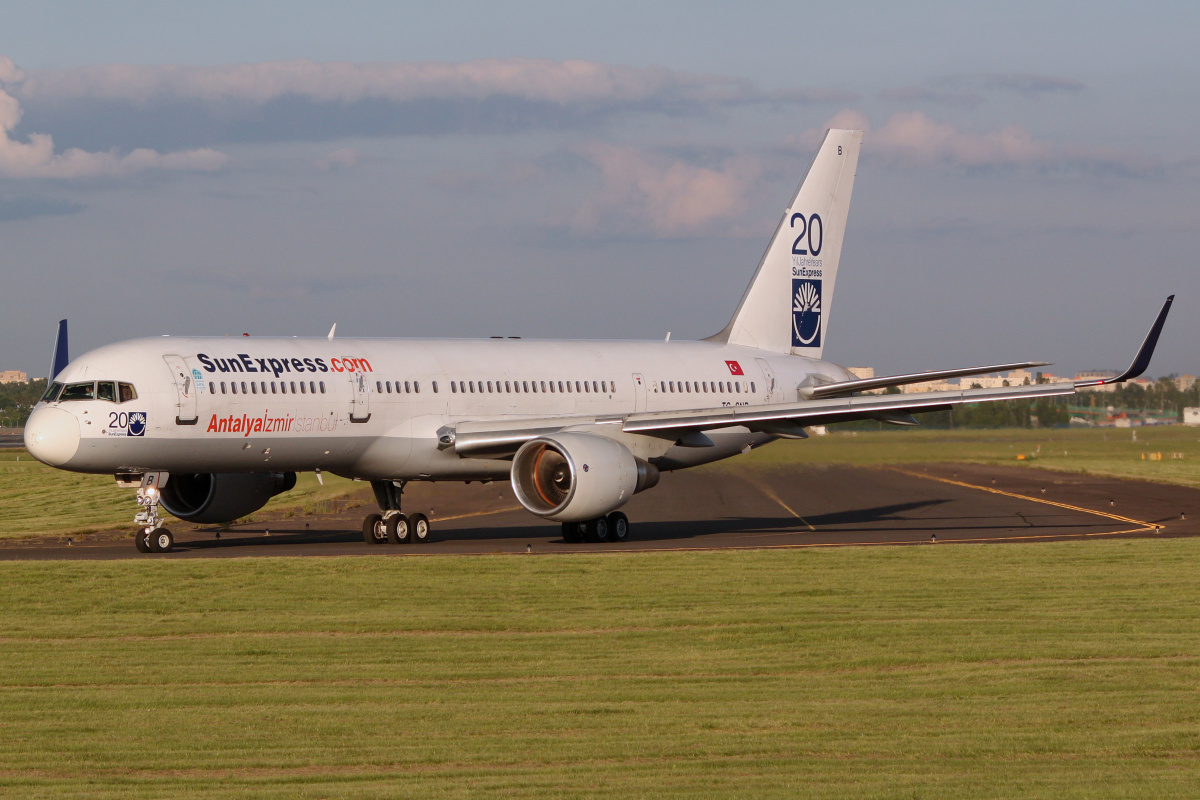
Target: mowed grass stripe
[(1065, 670)]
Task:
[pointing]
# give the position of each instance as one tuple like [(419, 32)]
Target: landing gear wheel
[(596, 530), (141, 540), (161, 540), (571, 533), (399, 530), (618, 526), (374, 531), (419, 525)]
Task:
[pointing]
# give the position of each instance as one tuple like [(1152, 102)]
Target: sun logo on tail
[(806, 313)]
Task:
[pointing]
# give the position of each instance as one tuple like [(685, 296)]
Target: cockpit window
[(52, 393), (79, 391), (106, 390), (127, 392)]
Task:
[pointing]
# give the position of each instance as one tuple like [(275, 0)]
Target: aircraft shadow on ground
[(874, 520)]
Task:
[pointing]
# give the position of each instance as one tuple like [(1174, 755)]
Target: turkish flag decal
[(734, 368)]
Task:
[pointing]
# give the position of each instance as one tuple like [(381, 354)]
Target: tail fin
[(786, 307), (60, 358)]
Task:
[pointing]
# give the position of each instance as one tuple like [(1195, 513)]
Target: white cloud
[(36, 158), (643, 193), (912, 139), (559, 82), (342, 158)]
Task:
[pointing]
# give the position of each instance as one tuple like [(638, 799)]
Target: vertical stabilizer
[(60, 359), (786, 307)]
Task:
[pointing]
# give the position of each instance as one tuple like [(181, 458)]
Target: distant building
[(1191, 416), (13, 376), (1097, 375), (1184, 382)]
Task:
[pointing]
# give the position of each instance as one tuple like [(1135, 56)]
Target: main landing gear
[(151, 536), (613, 528), (392, 525)]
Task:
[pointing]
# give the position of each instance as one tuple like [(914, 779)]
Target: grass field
[(1066, 670), (1099, 451), (37, 500)]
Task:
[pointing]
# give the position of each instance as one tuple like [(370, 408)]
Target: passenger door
[(360, 398), (769, 392), (186, 390), (639, 392)]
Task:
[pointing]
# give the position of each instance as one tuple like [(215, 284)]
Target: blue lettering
[(207, 362)]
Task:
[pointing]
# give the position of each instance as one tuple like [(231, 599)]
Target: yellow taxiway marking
[(771, 494), (1146, 526), (477, 514)]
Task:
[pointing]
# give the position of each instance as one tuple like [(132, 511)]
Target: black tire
[(373, 530), (618, 526), (161, 541), (399, 530), (420, 527), (141, 540), (570, 533), (596, 530)]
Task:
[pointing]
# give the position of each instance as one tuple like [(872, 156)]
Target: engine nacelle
[(208, 498), (572, 477)]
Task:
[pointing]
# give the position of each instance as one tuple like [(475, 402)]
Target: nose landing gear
[(151, 536)]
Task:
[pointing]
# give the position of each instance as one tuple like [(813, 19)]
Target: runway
[(709, 509)]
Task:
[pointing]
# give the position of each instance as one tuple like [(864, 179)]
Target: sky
[(1029, 186)]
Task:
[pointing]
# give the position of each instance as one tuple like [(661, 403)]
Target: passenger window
[(274, 388), (301, 387), (752, 389), (222, 387), (417, 387), (435, 389), (106, 390), (253, 387), (79, 391), (322, 387), (294, 387), (378, 387), (232, 387), (244, 387), (312, 387), (407, 390)]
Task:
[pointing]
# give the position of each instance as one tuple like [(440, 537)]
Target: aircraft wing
[(889, 407), (494, 439)]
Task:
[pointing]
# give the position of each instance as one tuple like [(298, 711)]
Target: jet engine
[(208, 498), (573, 477)]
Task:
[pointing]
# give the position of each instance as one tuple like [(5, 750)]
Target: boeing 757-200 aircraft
[(211, 428)]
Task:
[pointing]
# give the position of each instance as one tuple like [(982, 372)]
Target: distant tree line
[(1051, 412), (16, 399)]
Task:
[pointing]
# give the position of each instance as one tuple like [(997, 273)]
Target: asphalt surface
[(710, 509)]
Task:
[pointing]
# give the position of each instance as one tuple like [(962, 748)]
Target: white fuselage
[(353, 406)]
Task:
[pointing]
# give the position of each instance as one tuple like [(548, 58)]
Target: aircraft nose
[(52, 436)]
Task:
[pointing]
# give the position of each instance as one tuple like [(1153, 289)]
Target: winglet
[(1142, 360), (331, 331), (60, 358)]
